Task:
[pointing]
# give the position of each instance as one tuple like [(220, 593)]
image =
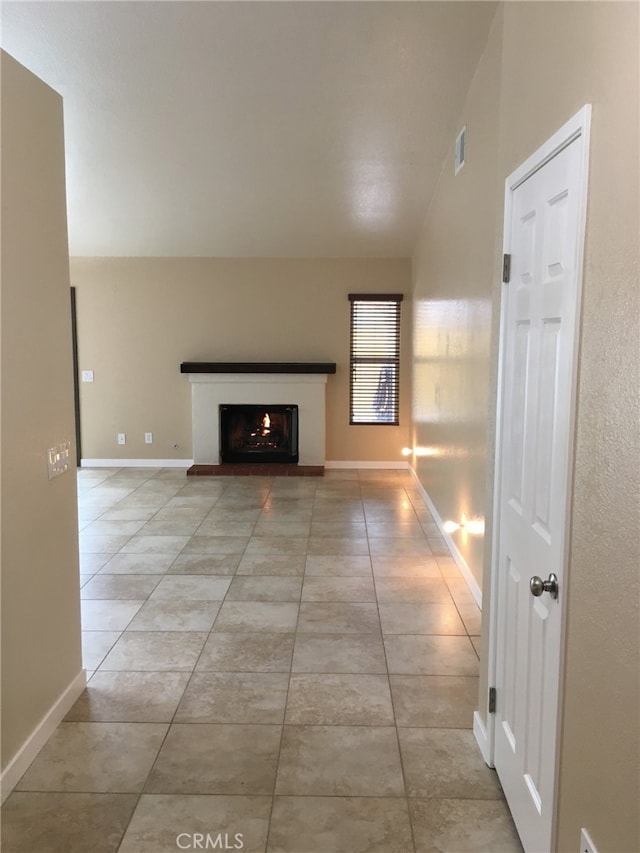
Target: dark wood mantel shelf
[(257, 367)]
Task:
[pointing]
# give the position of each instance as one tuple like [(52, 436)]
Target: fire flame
[(266, 424)]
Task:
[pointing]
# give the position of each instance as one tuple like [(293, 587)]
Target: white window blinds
[(375, 358)]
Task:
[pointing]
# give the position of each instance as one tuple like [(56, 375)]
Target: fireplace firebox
[(258, 433)]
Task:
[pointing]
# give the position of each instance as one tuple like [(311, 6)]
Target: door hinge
[(506, 269), (492, 700)]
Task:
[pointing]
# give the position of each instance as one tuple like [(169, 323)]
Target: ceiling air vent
[(461, 140)]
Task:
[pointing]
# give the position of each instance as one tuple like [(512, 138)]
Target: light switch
[(87, 375), (59, 459)]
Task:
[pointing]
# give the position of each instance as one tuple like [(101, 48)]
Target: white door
[(544, 232)]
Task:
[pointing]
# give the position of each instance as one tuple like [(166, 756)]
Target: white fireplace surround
[(211, 390)]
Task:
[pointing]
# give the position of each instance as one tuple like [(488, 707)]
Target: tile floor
[(276, 664)]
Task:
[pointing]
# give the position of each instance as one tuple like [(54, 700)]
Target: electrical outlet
[(586, 842), (122, 438), (87, 375), (148, 438)]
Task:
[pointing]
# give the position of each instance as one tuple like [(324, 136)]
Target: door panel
[(539, 346)]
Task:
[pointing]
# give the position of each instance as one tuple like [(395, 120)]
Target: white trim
[(18, 765), (579, 125), (397, 466), (136, 463), (187, 463), (482, 739), (467, 574)]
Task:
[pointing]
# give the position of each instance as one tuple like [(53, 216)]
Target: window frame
[(388, 323)]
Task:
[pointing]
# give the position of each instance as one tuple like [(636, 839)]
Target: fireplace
[(258, 433), (214, 384)]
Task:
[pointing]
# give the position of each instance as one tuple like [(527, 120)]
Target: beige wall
[(453, 276), (590, 55), (139, 318), (554, 58), (40, 587)]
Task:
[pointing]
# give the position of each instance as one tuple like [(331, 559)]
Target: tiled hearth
[(258, 469)]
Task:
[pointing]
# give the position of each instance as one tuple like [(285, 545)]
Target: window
[(375, 358)]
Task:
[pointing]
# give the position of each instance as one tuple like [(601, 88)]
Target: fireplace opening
[(266, 433)]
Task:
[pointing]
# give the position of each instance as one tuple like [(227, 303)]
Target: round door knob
[(538, 586)]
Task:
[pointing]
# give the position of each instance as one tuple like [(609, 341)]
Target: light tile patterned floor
[(276, 664)]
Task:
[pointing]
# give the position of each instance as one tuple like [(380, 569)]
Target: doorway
[(544, 226), (76, 378)]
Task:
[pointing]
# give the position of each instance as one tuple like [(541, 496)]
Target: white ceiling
[(251, 129)]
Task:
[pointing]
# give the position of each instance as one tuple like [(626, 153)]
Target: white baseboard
[(472, 583), (18, 765), (388, 466), (482, 738), (187, 463), (137, 463)]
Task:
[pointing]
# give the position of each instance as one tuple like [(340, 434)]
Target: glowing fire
[(265, 427)]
